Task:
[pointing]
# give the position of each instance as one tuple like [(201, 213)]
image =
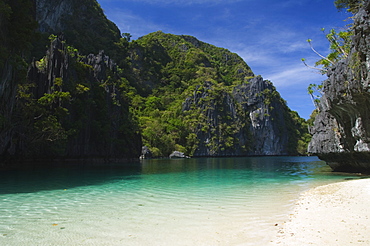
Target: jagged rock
[(252, 120), (228, 110), (50, 14), (267, 115), (96, 122), (218, 111), (178, 154), (98, 117), (341, 131), (83, 22)]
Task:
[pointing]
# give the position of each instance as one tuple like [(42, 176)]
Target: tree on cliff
[(351, 5), (340, 43)]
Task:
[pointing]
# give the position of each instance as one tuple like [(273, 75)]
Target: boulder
[(146, 153), (178, 154)]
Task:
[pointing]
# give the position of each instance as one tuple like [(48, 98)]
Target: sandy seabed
[(334, 214)]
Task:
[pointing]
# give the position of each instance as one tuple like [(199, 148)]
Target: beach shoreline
[(333, 214)]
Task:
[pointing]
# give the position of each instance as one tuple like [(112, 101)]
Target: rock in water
[(178, 154), (146, 153)]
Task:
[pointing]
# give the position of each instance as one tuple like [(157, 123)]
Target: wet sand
[(334, 214)]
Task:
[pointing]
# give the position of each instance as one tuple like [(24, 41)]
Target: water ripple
[(191, 202)]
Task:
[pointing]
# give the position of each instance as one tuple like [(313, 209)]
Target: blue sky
[(269, 35)]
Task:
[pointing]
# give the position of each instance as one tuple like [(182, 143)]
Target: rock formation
[(168, 92), (68, 105), (251, 120), (178, 154), (83, 23), (50, 14), (145, 153), (98, 115), (17, 27), (341, 131)]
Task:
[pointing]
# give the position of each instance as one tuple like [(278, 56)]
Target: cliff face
[(341, 131), (17, 26), (252, 119), (68, 105), (50, 14), (269, 117), (83, 24), (173, 93), (205, 101), (96, 122), (221, 129)]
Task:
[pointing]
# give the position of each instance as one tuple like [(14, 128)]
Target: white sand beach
[(334, 214)]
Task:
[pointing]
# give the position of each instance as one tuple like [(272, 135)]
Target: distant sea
[(205, 201)]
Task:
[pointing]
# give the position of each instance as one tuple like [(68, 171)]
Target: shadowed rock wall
[(341, 131)]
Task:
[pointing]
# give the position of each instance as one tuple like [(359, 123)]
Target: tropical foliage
[(170, 70), (340, 43), (350, 5), (144, 92)]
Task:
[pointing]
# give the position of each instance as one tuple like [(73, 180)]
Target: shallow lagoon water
[(207, 201)]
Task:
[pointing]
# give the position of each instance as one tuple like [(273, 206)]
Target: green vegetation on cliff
[(94, 31), (341, 127), (168, 92), (351, 5), (185, 94), (17, 32), (340, 45), (82, 112), (168, 69), (83, 25)]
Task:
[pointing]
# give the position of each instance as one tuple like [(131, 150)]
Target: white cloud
[(275, 53), (268, 44), (293, 75)]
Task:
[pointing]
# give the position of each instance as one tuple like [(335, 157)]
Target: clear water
[(210, 201)]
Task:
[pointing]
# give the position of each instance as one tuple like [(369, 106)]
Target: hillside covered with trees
[(168, 92)]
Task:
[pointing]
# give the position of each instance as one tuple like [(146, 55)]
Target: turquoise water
[(210, 201)]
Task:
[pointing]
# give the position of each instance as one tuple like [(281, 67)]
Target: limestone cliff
[(171, 92), (17, 27), (271, 125), (252, 119), (50, 15), (205, 101), (83, 23), (341, 131), (97, 123), (69, 105)]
